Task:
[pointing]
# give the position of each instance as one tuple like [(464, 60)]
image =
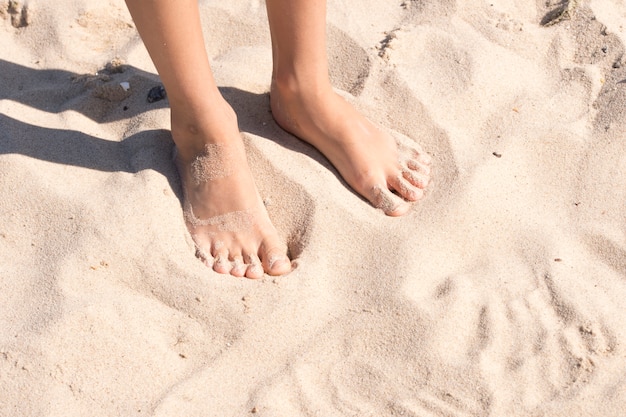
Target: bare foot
[(389, 174), (223, 210)]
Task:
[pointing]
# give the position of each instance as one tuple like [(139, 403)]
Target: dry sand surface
[(503, 293)]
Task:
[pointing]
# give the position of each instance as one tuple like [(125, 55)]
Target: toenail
[(274, 260)]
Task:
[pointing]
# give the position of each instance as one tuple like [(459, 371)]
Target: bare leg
[(223, 210), (303, 102)]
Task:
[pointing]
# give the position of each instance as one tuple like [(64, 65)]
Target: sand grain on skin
[(215, 162), (235, 221)]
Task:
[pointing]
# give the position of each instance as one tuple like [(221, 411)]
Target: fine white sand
[(501, 294)]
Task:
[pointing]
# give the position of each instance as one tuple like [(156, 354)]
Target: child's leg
[(303, 103), (223, 210)]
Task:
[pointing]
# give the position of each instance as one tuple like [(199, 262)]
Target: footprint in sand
[(288, 204), (371, 362), (349, 64), (104, 29), (21, 14)]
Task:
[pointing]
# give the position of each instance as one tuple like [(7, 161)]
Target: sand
[(500, 294)]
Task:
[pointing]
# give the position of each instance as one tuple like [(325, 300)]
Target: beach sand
[(502, 293)]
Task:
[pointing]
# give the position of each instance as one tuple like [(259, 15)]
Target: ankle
[(289, 85), (195, 126)]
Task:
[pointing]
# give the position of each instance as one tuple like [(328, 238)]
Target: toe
[(275, 261), (417, 166), (203, 256), (239, 267), (425, 158), (221, 263), (388, 202), (420, 155), (255, 267), (405, 189), (418, 179)]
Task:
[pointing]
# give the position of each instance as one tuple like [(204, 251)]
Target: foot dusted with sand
[(389, 174), (223, 210)]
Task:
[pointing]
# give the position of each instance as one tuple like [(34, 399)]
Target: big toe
[(391, 204), (275, 261)]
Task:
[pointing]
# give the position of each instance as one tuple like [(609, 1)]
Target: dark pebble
[(156, 94), (497, 155)]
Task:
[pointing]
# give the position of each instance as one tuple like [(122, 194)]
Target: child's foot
[(223, 210), (389, 174)]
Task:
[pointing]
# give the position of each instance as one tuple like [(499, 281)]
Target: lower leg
[(303, 102), (172, 34), (223, 210)]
